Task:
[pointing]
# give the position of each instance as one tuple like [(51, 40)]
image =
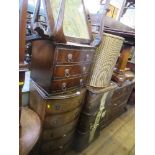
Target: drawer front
[(54, 121), (57, 143), (57, 106), (122, 93), (69, 56), (69, 83), (114, 112), (67, 71), (60, 132), (60, 151)]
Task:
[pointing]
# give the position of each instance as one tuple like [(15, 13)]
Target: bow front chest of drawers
[(60, 67), (59, 115)]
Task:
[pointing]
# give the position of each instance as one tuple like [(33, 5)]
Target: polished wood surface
[(54, 121), (118, 103), (22, 66), (31, 129), (22, 29), (50, 146), (59, 115), (60, 132), (60, 68), (123, 59), (120, 75), (62, 71)]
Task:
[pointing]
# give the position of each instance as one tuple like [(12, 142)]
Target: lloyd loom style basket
[(104, 61)]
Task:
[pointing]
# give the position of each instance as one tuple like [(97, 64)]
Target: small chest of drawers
[(59, 115), (60, 67)]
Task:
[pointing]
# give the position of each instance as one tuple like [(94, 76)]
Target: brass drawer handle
[(84, 69), (64, 86), (67, 73), (87, 57), (69, 57), (64, 135), (81, 82), (60, 147)]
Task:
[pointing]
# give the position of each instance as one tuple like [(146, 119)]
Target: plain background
[(145, 77)]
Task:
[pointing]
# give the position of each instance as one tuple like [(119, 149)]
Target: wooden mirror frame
[(55, 28), (82, 40)]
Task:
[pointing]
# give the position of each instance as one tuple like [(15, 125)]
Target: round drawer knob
[(69, 57), (54, 122), (64, 86), (64, 135), (81, 82), (60, 147), (67, 73), (87, 57), (84, 69)]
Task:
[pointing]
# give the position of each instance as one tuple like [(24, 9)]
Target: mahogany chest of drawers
[(60, 67), (59, 115), (117, 104)]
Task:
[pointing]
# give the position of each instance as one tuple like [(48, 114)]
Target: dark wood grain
[(56, 144), (60, 132), (50, 61), (118, 103), (59, 115)]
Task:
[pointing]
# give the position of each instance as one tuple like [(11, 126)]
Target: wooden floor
[(116, 139)]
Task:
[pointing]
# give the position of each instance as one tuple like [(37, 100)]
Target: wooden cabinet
[(118, 103), (59, 115), (60, 68)]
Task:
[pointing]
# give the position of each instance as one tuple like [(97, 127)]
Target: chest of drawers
[(118, 103), (59, 115), (60, 68)]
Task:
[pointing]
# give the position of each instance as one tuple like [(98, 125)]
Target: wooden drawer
[(57, 106), (67, 71), (122, 92), (69, 83), (54, 121), (57, 143), (114, 112), (60, 132), (69, 56), (60, 151)]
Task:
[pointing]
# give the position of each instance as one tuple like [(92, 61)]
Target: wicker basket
[(104, 61)]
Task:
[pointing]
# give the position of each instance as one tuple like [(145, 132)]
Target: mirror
[(75, 23), (75, 26)]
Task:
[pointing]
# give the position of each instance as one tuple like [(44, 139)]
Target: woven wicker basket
[(104, 60)]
